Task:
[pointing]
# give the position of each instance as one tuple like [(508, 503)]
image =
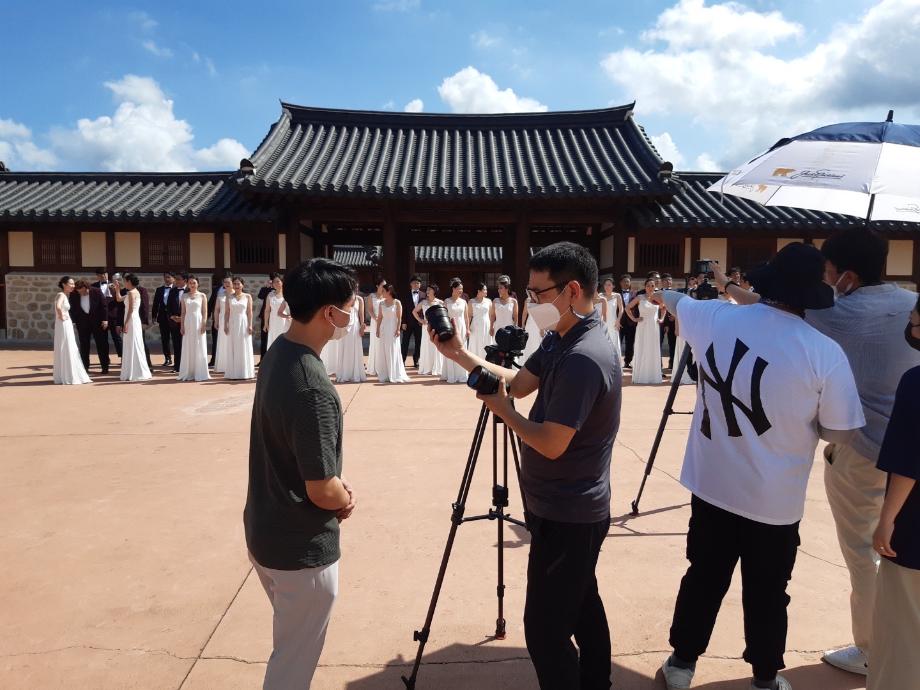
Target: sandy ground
[(126, 565)]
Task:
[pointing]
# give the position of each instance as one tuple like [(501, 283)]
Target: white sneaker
[(849, 659), (781, 684), (676, 678)]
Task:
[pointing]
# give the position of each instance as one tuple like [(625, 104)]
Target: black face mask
[(912, 340)]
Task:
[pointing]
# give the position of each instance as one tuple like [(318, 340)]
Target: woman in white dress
[(389, 365), (241, 363), (133, 357), (431, 362), (646, 364), (478, 317), (456, 310), (220, 359), (350, 361), (277, 316), (504, 311), (193, 326), (534, 335), (68, 367), (614, 302), (372, 308)]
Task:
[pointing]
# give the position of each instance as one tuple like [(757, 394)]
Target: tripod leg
[(421, 636), (668, 411), (500, 501)]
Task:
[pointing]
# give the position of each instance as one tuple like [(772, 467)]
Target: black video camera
[(705, 290), (510, 342)]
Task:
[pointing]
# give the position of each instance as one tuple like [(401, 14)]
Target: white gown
[(220, 359), (133, 358), (194, 364), (390, 367), (350, 359), (479, 328), (453, 372), (431, 362), (504, 313), (646, 364), (68, 367), (533, 338), (329, 356), (276, 324), (611, 323), (240, 360), (373, 343)]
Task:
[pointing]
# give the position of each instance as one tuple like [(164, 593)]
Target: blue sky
[(100, 86)]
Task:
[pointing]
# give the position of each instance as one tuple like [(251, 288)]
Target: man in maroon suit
[(89, 312)]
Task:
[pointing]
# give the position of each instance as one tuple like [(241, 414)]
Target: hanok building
[(396, 194)]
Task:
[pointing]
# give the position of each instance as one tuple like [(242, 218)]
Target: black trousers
[(213, 346), (667, 333), (87, 333), (716, 541), (562, 602), (116, 338), (175, 334), (165, 339), (629, 340), (412, 329), (263, 341)]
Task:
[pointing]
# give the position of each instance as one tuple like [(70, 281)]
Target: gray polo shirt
[(869, 325), (580, 387)]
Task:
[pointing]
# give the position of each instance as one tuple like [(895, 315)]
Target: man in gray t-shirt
[(567, 438), (297, 496)]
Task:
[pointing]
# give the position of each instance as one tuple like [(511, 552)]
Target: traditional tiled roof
[(356, 256), (325, 152), (694, 208), (125, 197)]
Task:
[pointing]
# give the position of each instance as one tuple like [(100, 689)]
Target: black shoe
[(167, 362), (627, 366), (105, 371)]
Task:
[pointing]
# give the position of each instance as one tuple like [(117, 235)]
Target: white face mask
[(545, 316), (339, 331), (838, 293)]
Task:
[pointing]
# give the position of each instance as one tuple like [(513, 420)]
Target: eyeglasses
[(534, 294)]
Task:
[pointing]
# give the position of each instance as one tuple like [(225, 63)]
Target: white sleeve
[(696, 317), (839, 407)]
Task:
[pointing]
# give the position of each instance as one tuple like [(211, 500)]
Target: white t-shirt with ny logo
[(766, 381)]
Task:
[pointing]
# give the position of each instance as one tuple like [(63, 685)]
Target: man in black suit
[(669, 325), (88, 312), (411, 328), (161, 315), (174, 309), (264, 292), (111, 306), (628, 328), (217, 295)]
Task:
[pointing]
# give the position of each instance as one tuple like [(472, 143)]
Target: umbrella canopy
[(865, 169)]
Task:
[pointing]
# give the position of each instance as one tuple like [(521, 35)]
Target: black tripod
[(676, 376), (497, 513)]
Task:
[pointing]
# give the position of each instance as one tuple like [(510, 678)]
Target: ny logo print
[(723, 386)]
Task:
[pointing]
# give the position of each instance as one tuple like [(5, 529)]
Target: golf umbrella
[(865, 169)]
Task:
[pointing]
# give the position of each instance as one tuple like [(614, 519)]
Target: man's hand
[(105, 325), (401, 328), (346, 512), (718, 275), (881, 540), (499, 403)]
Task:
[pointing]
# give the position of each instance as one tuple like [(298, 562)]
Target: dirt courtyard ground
[(126, 566)]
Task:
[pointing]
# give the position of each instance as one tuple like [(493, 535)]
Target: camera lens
[(483, 381), (439, 320)]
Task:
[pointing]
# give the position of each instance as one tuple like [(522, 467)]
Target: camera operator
[(565, 468), (763, 403)]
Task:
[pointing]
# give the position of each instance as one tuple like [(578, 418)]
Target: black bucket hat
[(794, 277)]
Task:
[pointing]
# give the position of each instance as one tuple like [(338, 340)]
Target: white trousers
[(856, 491), (302, 605), (896, 637)]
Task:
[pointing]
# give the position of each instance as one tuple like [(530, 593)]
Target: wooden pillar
[(620, 250), (110, 252), (389, 258), (916, 276), (4, 268), (405, 260), (521, 272), (292, 242)]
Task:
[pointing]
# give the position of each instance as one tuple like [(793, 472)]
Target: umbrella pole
[(871, 206)]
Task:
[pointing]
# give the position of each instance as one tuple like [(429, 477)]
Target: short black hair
[(625, 276), (455, 283), (481, 286), (567, 261), (860, 250), (415, 279), (434, 288), (101, 271), (314, 284), (131, 278), (184, 276), (667, 276), (169, 273), (651, 274), (63, 281), (734, 269), (273, 275)]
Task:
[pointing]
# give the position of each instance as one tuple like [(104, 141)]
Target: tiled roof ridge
[(208, 176)]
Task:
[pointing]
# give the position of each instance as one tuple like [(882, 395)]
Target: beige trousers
[(856, 491), (302, 605), (896, 636)]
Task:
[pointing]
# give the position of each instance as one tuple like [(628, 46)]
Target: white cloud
[(143, 20), (483, 39), (716, 66), (416, 105), (208, 63), (705, 163), (668, 149), (389, 105), (471, 91), (143, 134), (152, 48), (397, 5)]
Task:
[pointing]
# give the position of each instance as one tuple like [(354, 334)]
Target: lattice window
[(659, 254), (57, 250), (164, 252), (255, 253)]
